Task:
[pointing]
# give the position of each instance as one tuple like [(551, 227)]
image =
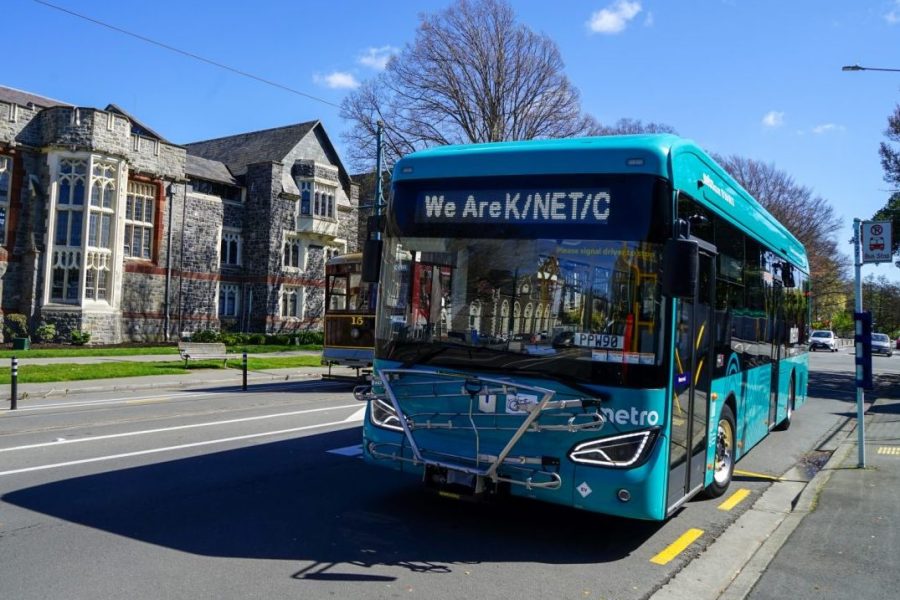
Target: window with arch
[(230, 251), (229, 300), (475, 315), (5, 194), (291, 301), (292, 254), (71, 183)]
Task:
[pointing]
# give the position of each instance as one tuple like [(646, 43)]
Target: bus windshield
[(580, 310)]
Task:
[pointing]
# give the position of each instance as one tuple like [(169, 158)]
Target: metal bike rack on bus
[(481, 465)]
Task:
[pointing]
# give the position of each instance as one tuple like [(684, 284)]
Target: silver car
[(881, 344), (823, 339)]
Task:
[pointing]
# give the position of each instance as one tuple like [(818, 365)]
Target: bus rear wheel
[(792, 396), (724, 460)]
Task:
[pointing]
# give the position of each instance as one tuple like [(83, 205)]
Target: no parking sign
[(876, 241)]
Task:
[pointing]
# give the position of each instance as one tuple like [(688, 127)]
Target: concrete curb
[(730, 567), (117, 385)]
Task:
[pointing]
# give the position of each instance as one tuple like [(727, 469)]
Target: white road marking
[(62, 441), (169, 448), (357, 416), (351, 451)]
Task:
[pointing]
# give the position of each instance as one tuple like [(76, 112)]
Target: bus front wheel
[(724, 461), (792, 397)]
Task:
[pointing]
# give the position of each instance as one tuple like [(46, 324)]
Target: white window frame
[(284, 299), (226, 290), (293, 242), (6, 176), (231, 239), (147, 192)]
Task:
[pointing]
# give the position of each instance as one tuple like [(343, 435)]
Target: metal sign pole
[(860, 395)]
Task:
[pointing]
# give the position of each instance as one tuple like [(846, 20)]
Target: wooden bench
[(202, 351)]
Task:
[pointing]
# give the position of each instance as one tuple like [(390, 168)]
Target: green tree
[(890, 162)]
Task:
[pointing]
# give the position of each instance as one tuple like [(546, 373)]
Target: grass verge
[(112, 370), (76, 351)]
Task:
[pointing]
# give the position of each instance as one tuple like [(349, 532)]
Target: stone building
[(109, 228)]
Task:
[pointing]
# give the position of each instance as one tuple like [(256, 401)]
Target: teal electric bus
[(605, 323)]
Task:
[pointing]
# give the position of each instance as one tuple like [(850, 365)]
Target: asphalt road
[(261, 494)]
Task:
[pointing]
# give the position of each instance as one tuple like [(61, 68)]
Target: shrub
[(309, 337), (46, 332), (280, 339), (234, 339), (256, 339), (15, 325), (80, 338), (205, 335)]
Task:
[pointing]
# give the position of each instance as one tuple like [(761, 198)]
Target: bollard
[(244, 367), (14, 384)]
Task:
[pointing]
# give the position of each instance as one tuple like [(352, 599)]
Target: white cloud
[(377, 58), (614, 18), (337, 80), (827, 128), (773, 118), (893, 15)]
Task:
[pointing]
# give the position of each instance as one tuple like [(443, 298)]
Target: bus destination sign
[(575, 206)]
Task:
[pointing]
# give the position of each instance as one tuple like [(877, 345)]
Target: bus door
[(776, 352), (694, 330)]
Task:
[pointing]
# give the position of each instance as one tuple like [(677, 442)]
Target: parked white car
[(823, 339)]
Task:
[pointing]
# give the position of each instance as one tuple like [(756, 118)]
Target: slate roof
[(238, 151), (14, 96), (136, 126), (210, 170)]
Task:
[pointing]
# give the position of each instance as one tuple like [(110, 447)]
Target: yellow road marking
[(677, 547), (757, 475), (735, 499), (891, 450)]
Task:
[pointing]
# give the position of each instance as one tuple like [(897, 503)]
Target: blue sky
[(757, 78)]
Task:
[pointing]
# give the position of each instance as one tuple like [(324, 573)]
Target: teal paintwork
[(691, 171)]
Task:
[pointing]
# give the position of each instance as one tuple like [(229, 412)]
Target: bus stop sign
[(876, 241)]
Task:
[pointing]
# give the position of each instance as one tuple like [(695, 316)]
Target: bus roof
[(690, 169)]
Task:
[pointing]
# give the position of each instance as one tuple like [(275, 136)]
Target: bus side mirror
[(371, 261), (681, 260)]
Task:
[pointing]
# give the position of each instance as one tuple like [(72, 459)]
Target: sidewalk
[(195, 378), (846, 544), (834, 536)]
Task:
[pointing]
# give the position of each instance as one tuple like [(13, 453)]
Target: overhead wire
[(184, 52)]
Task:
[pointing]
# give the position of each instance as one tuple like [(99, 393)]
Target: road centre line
[(675, 548), (170, 448), (183, 427)]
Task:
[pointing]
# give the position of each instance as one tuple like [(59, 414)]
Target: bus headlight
[(383, 415), (620, 451)]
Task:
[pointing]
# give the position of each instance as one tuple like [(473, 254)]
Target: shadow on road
[(292, 500)]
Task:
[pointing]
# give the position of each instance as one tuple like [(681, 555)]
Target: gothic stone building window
[(229, 300), (291, 301), (69, 222), (5, 187), (139, 219), (230, 250)]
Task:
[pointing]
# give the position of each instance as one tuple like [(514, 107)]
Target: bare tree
[(630, 126), (472, 74), (809, 217)]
